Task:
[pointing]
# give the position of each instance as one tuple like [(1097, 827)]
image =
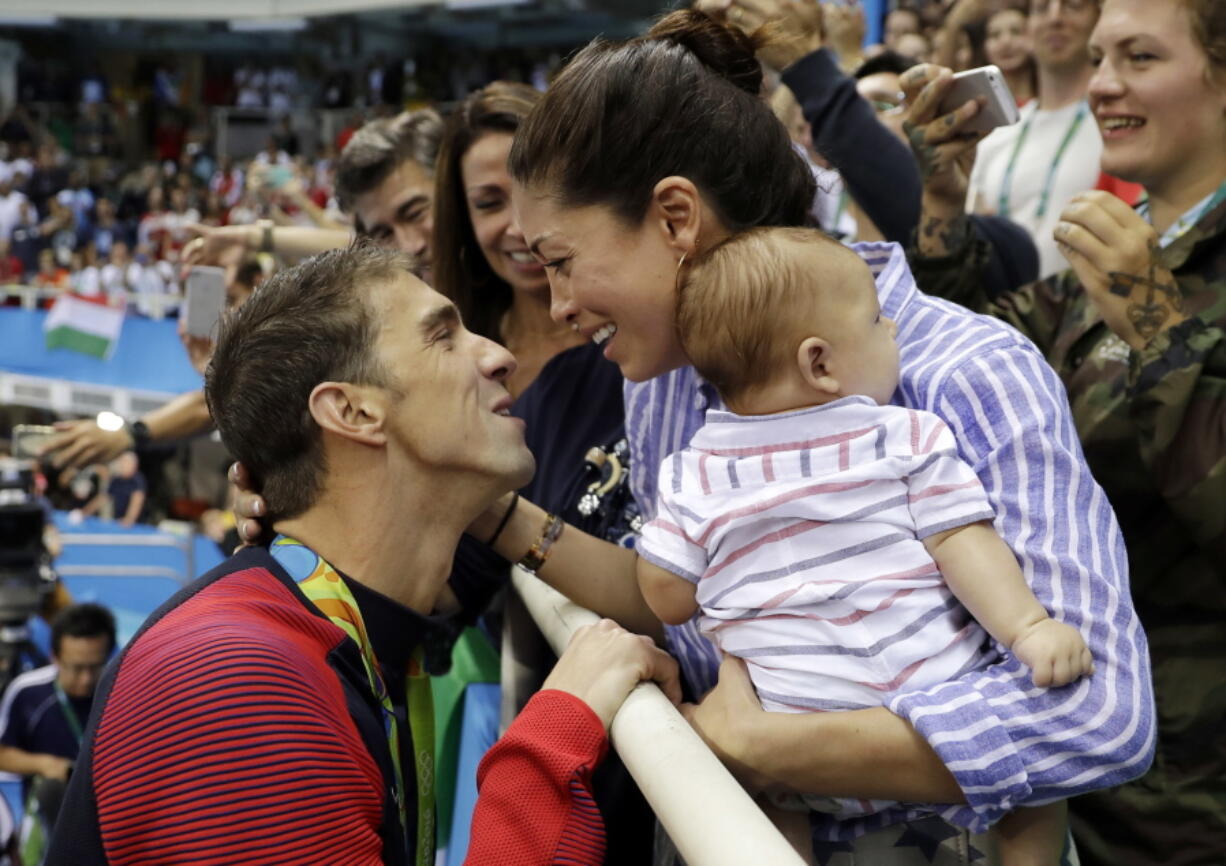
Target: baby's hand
[(1054, 652)]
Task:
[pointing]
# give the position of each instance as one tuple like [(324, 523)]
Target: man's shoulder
[(244, 608), (31, 686)]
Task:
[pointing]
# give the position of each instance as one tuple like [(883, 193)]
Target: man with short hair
[(44, 711), (283, 696), (1029, 171)]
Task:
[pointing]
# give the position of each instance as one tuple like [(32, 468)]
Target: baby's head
[(783, 318)]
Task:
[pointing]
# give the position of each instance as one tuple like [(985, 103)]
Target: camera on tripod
[(26, 575)]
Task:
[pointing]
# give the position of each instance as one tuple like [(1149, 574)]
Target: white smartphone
[(987, 83), (206, 300), (28, 438)]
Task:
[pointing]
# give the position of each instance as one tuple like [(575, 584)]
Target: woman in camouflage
[(1137, 330)]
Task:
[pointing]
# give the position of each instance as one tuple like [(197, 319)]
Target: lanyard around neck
[(1006, 187), (325, 588), (70, 715), (1181, 226)]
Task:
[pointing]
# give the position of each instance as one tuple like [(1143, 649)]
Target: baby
[(831, 540)]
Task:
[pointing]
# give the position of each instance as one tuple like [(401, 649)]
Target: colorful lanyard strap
[(1181, 226), (321, 583), (1006, 187), (70, 715)]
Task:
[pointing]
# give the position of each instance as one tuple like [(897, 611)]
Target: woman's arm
[(596, 574), (80, 443), (872, 754)]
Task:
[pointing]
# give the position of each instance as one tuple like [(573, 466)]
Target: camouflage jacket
[(1153, 426)]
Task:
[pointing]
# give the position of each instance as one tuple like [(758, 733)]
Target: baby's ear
[(813, 360)]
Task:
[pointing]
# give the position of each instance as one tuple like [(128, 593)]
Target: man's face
[(80, 662), (1060, 31), (399, 212), (448, 408)]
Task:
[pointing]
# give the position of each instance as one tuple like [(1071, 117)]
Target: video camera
[(26, 576)]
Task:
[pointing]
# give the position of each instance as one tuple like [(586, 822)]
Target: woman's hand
[(224, 246), (1115, 254), (199, 349), (726, 719), (82, 443), (795, 26), (249, 507), (944, 152), (603, 663), (845, 29)]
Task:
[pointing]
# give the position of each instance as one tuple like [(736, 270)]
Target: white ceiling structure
[(12, 10)]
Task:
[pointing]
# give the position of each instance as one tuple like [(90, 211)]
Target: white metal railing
[(708, 815)]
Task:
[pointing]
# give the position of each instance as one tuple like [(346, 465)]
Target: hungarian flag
[(87, 325)]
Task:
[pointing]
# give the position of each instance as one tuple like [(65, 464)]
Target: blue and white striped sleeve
[(1007, 742)]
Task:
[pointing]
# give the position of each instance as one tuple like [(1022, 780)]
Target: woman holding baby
[(1135, 331)]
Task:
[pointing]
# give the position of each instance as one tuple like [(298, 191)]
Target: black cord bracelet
[(506, 518)]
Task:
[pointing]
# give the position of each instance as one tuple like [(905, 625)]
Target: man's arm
[(80, 443), (23, 763)]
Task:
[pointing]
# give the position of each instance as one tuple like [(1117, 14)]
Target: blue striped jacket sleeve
[(1007, 742)]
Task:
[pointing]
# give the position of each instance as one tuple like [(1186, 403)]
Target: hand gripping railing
[(706, 812)]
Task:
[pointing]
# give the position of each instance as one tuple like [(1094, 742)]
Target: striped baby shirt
[(1007, 743), (803, 532)]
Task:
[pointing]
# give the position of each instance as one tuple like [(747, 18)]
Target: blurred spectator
[(78, 198), (124, 499), (272, 154), (227, 181), (11, 201), (49, 274), (44, 711), (107, 229), (48, 177), (11, 267), (284, 138), (899, 23), (120, 274), (26, 238)]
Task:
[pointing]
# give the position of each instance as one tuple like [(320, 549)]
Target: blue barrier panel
[(482, 708), (148, 356), (874, 16)]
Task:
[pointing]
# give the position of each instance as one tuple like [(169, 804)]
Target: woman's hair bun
[(725, 50)]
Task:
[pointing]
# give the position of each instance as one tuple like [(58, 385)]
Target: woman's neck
[(1169, 201)]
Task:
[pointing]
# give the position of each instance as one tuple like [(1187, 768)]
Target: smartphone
[(28, 439), (206, 300), (987, 83)]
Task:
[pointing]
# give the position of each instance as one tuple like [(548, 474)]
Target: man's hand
[(1055, 653), (726, 719), (795, 26), (82, 443), (55, 767), (1117, 258), (604, 662)]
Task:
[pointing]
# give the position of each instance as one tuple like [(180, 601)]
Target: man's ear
[(813, 360), (676, 206), (354, 412)]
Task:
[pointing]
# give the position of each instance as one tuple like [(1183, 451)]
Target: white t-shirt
[(1077, 170)]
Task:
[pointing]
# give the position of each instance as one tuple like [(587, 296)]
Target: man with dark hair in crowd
[(304, 720), (44, 711), (384, 178)]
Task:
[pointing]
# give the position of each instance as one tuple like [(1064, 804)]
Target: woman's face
[(1008, 40), (487, 190), (1163, 123), (613, 283)]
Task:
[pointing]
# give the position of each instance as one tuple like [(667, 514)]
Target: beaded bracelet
[(539, 552)]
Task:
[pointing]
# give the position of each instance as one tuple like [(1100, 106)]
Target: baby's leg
[(1032, 837)]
